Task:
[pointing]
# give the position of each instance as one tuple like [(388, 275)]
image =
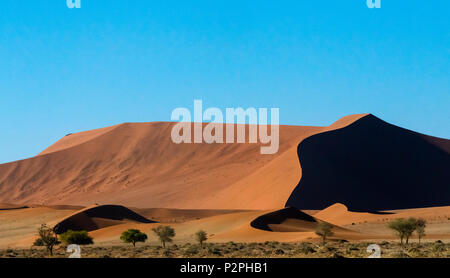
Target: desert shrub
[(133, 236), (305, 248), (191, 250), (324, 230), (165, 234), (414, 251), (335, 255), (438, 247), (167, 253), (76, 237), (38, 242), (201, 236), (214, 251), (400, 254)]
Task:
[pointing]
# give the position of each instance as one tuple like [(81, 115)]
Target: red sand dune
[(371, 165), (11, 207), (137, 165), (98, 217), (289, 220)]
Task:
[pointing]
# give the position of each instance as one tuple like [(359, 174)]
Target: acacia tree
[(404, 228), (201, 236), (324, 230), (47, 238), (164, 233), (421, 224), (133, 236)]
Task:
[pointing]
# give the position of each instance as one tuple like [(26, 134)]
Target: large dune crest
[(359, 160), (371, 165)]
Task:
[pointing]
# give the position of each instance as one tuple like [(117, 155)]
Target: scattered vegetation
[(332, 249), (165, 234), (133, 236), (404, 228)]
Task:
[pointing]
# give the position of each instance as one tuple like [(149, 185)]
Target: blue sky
[(64, 71)]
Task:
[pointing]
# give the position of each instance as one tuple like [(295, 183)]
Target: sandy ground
[(18, 227)]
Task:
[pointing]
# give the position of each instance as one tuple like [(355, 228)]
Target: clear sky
[(114, 61)]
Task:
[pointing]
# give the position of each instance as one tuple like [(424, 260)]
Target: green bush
[(133, 236), (76, 237), (38, 242)]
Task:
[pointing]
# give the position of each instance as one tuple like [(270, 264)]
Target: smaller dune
[(285, 220), (11, 207), (98, 217)]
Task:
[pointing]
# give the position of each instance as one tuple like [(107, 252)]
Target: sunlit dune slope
[(138, 165)]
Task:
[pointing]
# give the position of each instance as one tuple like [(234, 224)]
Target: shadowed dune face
[(371, 165), (98, 217), (285, 220)]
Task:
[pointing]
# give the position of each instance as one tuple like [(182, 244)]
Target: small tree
[(133, 236), (404, 228), (47, 238), (421, 224), (201, 236), (76, 237), (164, 233), (324, 230)]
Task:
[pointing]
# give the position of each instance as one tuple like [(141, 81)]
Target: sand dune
[(138, 165), (371, 165), (359, 160), (180, 215), (357, 174), (98, 217), (19, 227), (339, 214), (72, 140), (285, 220), (11, 207)]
